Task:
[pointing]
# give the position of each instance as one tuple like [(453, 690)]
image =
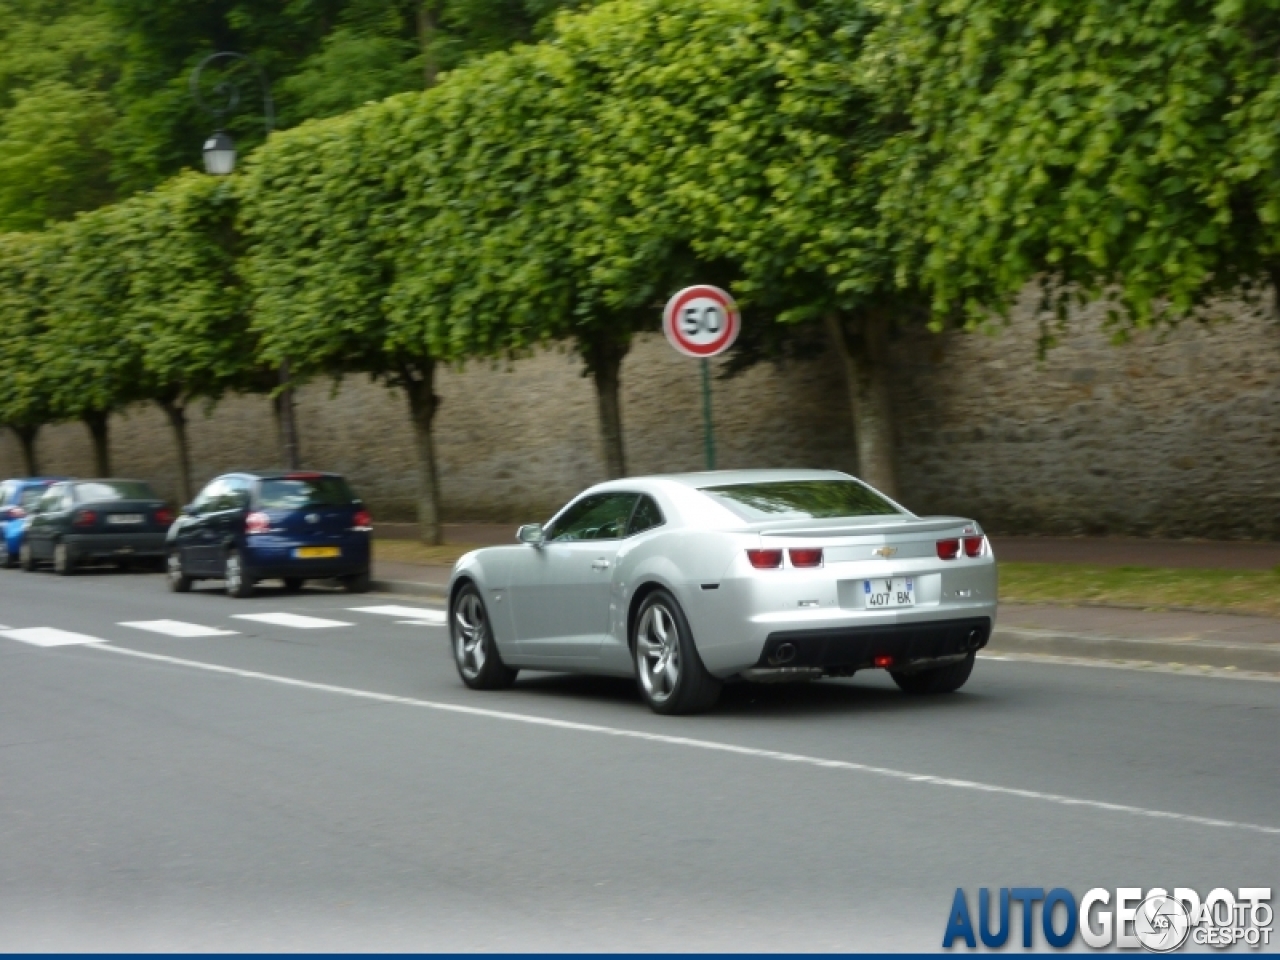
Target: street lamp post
[(220, 160)]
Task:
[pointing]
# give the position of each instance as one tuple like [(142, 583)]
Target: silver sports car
[(686, 581)]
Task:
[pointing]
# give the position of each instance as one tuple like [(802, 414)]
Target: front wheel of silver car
[(946, 679), (474, 650), (669, 671)]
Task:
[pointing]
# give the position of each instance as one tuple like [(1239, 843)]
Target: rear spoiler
[(864, 527)]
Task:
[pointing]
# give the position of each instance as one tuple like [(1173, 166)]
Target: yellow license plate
[(317, 553)]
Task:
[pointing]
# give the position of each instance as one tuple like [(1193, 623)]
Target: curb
[(411, 588), (1252, 657)]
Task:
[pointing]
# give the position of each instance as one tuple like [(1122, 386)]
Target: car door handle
[(601, 564)]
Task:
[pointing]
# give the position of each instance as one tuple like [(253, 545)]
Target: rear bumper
[(845, 649), (115, 545), (273, 557)]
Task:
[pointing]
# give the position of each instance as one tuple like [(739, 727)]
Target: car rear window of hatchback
[(295, 493), (802, 500), (99, 490)]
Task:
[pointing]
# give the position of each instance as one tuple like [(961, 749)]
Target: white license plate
[(126, 518), (889, 593)]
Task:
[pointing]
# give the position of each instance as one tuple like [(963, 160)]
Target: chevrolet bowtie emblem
[(885, 552)]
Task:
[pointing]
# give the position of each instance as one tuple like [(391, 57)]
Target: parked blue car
[(290, 526), (17, 497)]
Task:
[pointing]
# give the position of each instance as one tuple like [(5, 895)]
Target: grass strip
[(1232, 591)]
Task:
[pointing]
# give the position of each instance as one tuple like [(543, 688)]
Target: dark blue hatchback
[(290, 526)]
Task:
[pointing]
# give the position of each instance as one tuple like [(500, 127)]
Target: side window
[(647, 515), (238, 491), (49, 502), (206, 502), (68, 499), (602, 517)]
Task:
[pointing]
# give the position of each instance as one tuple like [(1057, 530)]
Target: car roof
[(280, 474), (718, 478)]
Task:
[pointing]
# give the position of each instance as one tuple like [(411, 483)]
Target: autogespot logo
[(1157, 921)]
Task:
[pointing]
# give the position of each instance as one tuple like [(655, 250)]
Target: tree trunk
[(426, 36), (27, 437), (419, 388), (867, 377), (98, 423), (604, 360), (287, 421), (177, 415)]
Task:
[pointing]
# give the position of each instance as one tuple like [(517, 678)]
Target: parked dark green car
[(87, 521)]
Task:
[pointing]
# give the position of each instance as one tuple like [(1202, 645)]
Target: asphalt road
[(339, 789)]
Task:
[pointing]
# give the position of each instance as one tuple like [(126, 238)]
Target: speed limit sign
[(701, 321)]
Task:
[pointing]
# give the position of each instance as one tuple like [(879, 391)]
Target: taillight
[(765, 559), (257, 522), (84, 518), (164, 516), (363, 520), (973, 546), (14, 513), (806, 557), (948, 549)]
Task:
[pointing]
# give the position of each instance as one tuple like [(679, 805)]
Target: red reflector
[(363, 520), (948, 549), (973, 546), (765, 559), (14, 513), (257, 522), (164, 516), (882, 661), (85, 518), (807, 557)]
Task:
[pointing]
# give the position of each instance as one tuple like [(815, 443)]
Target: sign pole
[(708, 429), (702, 322)]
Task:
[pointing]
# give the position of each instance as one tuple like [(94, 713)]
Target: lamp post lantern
[(219, 160)]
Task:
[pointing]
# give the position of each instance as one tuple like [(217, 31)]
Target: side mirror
[(531, 533), (186, 511)]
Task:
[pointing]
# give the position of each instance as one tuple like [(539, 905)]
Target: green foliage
[(1122, 148), (23, 398)]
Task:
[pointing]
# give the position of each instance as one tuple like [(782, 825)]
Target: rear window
[(99, 490), (802, 500), (294, 493)]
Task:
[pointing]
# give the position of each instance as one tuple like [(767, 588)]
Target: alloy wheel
[(658, 653), (234, 573), (61, 558), (471, 634)]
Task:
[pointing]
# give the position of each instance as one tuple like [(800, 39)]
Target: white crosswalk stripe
[(177, 628), (414, 614), (295, 620), (49, 637)]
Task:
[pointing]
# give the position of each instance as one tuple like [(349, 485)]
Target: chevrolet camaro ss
[(687, 581)]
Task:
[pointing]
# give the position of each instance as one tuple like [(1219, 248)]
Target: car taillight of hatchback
[(257, 522), (362, 522)]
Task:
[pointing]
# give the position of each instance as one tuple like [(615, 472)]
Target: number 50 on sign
[(701, 321)]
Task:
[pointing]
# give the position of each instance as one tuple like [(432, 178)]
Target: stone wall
[(1175, 434)]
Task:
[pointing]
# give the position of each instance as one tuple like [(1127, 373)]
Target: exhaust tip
[(785, 653)]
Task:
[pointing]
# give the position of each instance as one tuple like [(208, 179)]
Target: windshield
[(294, 493), (802, 500), (99, 490)]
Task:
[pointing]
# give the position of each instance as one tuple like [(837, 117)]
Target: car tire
[(64, 561), (238, 582), (293, 584), (946, 679), (474, 651), (26, 559), (7, 560), (357, 582), (124, 566), (179, 582), (669, 672)]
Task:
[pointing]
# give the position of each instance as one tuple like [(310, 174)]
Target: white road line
[(177, 628), (412, 613), (713, 745), (297, 621), (49, 637)]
